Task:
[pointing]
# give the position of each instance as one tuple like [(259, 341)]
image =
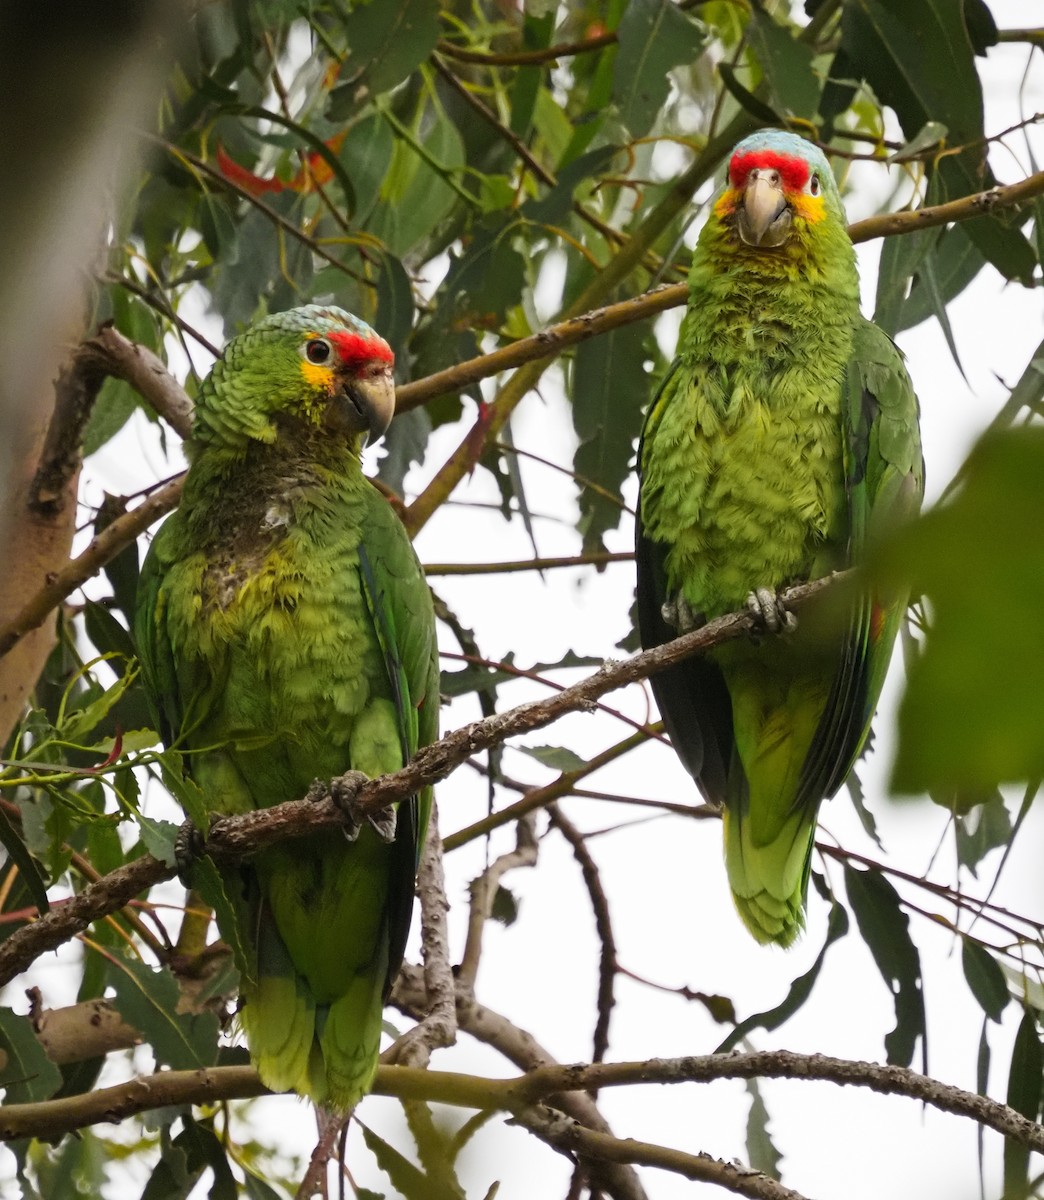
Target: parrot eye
[(813, 185), (318, 351)]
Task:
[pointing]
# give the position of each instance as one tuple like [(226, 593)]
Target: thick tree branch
[(52, 1117), (110, 353), (102, 549), (235, 836), (1011, 195)]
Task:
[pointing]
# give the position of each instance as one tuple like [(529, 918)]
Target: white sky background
[(665, 880)]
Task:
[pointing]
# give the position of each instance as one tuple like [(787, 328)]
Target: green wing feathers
[(286, 633), (782, 441)]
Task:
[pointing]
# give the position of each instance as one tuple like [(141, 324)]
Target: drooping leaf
[(885, 929), (610, 388), (386, 42), (800, 989), (655, 36), (147, 999), (28, 867), (985, 978), (787, 64), (981, 829), (1025, 1077), (27, 1075), (405, 444), (761, 1153), (558, 758), (973, 709)]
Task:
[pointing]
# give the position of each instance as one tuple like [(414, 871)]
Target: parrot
[(782, 440), (286, 633)]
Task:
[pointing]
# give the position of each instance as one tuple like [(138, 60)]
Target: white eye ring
[(317, 350), (813, 185)]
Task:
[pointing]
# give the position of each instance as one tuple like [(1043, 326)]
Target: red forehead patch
[(355, 349), (793, 170)]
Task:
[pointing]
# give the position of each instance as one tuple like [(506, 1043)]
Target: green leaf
[(1024, 1095), (27, 1075), (953, 261), (147, 999), (112, 410), (787, 65), (505, 906), (28, 868), (980, 830), (386, 42), (366, 155), (885, 929), (985, 978), (411, 1182), (654, 37), (558, 758), (257, 1189), (800, 989), (610, 387), (405, 444), (762, 1155), (184, 790), (415, 193), (208, 881), (764, 113), (973, 710), (554, 207), (394, 304), (884, 40)]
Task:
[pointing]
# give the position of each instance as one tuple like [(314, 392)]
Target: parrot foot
[(680, 616), (344, 791), (189, 847), (769, 611)]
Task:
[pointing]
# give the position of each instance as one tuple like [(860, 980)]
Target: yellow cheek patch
[(317, 377), (809, 208), (726, 202)]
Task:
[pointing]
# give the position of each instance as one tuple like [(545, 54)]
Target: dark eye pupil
[(317, 351), (815, 185)]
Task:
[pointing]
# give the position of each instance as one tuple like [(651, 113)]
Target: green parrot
[(782, 439), (286, 633)]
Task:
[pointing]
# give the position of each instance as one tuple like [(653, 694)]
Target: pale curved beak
[(371, 402), (764, 217)]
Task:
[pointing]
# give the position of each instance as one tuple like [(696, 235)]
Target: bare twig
[(483, 891), (603, 926), (571, 1138), (438, 1027)]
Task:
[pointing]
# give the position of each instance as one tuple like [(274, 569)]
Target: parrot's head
[(315, 367), (779, 187)]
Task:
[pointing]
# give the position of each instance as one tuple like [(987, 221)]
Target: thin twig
[(603, 926)]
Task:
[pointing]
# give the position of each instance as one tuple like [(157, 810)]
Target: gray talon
[(678, 614), (769, 610), (344, 791)]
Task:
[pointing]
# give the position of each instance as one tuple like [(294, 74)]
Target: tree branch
[(994, 200), (236, 836), (53, 1117), (571, 1138)]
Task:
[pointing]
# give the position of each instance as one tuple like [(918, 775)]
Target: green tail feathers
[(327, 1052), (769, 880)]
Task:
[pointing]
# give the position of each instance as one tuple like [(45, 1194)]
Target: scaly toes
[(770, 612)]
